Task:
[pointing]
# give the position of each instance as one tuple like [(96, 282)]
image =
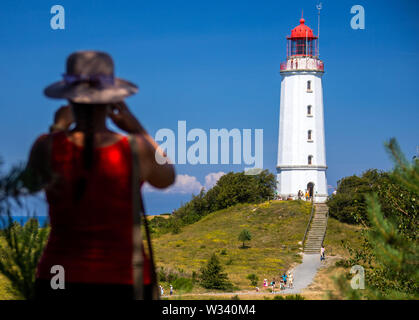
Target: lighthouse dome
[(302, 31)]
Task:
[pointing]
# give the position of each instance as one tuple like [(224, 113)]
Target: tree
[(245, 236), (212, 276), (396, 201), (390, 253), (231, 189)]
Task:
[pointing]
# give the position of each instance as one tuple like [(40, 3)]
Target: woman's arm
[(158, 175), (37, 172)]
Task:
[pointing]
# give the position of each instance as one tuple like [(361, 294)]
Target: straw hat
[(90, 79)]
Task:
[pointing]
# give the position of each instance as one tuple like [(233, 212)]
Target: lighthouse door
[(310, 189)]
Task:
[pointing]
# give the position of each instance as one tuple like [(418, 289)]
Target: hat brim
[(84, 93)]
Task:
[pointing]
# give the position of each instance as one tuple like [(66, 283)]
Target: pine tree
[(212, 276)]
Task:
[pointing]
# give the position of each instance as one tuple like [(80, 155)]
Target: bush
[(389, 251), (396, 200), (161, 275), (20, 253), (194, 276), (170, 275), (253, 279), (183, 284)]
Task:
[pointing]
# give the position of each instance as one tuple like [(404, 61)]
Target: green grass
[(339, 231), (276, 229), (7, 292)]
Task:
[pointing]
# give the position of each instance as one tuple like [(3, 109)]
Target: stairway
[(317, 229)]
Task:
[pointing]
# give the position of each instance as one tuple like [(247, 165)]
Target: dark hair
[(88, 150)]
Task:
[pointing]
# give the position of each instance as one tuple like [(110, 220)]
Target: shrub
[(161, 275), (183, 284), (253, 279), (20, 253), (396, 200), (170, 275), (389, 251)]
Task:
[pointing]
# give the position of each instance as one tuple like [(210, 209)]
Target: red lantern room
[(302, 41)]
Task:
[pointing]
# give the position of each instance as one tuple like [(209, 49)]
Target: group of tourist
[(300, 196), (285, 281), (162, 290)]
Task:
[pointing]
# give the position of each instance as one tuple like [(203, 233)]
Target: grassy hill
[(277, 229)]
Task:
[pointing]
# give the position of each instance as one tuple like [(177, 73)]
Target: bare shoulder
[(144, 146)]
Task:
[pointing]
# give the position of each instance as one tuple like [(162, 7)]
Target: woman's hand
[(63, 118), (124, 119), (158, 175)]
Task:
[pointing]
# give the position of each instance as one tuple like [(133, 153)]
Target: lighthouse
[(301, 147)]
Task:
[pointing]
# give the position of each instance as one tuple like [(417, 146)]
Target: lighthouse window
[(310, 159), (309, 135), (309, 110), (308, 86)]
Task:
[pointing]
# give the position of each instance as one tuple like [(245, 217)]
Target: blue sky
[(215, 64)]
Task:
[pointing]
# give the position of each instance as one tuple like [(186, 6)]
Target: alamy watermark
[(58, 20), (212, 147), (358, 20), (58, 280), (358, 280)]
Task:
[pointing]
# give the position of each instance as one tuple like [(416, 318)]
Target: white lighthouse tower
[(301, 149)]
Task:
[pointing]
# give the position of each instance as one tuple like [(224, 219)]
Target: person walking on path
[(284, 278), (322, 253), (86, 173), (290, 280), (171, 289)]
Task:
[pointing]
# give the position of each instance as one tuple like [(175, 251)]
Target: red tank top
[(92, 237)]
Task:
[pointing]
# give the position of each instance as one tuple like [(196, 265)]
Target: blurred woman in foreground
[(86, 173)]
